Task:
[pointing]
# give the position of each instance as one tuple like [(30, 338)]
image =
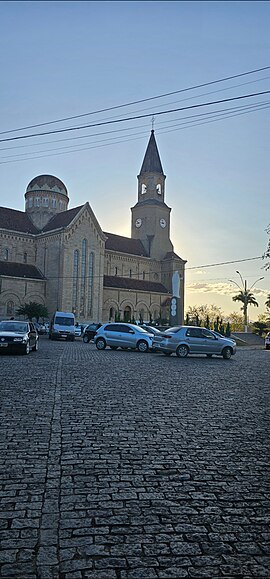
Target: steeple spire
[(151, 162)]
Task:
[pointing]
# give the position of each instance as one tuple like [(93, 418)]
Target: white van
[(62, 326)]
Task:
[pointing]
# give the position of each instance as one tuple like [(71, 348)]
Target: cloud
[(220, 288)]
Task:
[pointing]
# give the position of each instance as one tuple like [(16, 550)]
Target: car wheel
[(35, 347), (209, 355), (113, 347), (86, 339), (26, 349), (100, 344), (142, 346), (182, 351), (167, 353), (226, 353)]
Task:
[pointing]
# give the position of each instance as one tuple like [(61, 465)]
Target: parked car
[(41, 329), (185, 340), (124, 336), (62, 326), (90, 331), (267, 341), (78, 330), (151, 329), (18, 336)]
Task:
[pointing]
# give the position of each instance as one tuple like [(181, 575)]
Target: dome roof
[(47, 183)]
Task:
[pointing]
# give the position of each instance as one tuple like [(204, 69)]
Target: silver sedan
[(185, 340)]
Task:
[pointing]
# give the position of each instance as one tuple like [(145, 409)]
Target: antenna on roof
[(153, 122)]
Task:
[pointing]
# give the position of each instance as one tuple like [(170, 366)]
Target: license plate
[(3, 345), (64, 335)]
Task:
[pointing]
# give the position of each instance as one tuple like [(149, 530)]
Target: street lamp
[(245, 293)]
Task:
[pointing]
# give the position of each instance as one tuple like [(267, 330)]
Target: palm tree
[(247, 298), (267, 303)]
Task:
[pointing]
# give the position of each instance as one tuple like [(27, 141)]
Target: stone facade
[(61, 258)]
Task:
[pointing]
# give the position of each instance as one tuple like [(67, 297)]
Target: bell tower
[(150, 221)]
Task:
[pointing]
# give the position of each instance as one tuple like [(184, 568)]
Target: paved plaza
[(121, 465)]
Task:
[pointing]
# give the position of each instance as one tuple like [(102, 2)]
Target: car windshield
[(139, 329), (172, 330), (64, 321), (218, 335), (19, 327), (152, 330)]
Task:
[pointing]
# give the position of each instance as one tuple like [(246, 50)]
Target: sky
[(65, 59)]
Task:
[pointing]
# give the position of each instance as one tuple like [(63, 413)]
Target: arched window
[(25, 257), (90, 283), (83, 276), (141, 316), (127, 314), (144, 189), (143, 274), (6, 254), (75, 281), (112, 315), (10, 308), (158, 189), (115, 271), (130, 273)]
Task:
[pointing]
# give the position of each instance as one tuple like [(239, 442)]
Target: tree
[(204, 314), (236, 321), (267, 303), (259, 328), (247, 298), (228, 330), (33, 310), (117, 317)]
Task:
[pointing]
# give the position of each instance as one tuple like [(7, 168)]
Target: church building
[(61, 257)]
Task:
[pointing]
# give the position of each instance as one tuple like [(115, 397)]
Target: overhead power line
[(188, 119), (193, 121), (225, 262), (158, 113), (131, 103), (100, 276)]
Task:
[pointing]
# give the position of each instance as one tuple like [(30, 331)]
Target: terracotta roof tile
[(24, 270), (134, 284)]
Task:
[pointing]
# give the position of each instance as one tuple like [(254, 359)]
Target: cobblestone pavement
[(121, 465)]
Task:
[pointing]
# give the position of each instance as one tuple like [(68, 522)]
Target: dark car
[(90, 331), (18, 336)]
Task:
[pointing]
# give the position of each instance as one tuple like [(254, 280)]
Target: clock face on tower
[(162, 223), (138, 222)]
